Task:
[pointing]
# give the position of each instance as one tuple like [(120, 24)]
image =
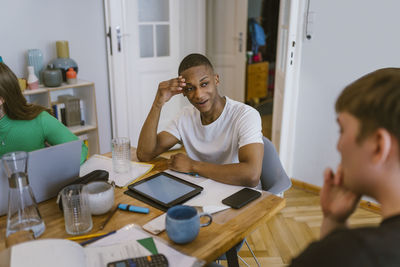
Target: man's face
[(354, 155), (201, 87)]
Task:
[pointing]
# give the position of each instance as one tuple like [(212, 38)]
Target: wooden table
[(227, 229)]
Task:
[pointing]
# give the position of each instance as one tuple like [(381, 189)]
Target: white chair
[(273, 179)]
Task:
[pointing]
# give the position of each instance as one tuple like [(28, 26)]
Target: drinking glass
[(121, 154), (77, 216)]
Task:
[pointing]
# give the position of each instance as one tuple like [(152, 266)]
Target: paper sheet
[(98, 162), (132, 232), (47, 253), (212, 195), (100, 256)]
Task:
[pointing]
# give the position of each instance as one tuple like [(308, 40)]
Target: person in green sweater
[(25, 126)]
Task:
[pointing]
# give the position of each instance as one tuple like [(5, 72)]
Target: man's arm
[(150, 143), (245, 173), (337, 202)]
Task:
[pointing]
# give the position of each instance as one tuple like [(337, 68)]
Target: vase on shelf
[(33, 81), (52, 76), (63, 61), (35, 59)]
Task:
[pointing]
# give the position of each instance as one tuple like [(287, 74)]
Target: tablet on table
[(163, 190)]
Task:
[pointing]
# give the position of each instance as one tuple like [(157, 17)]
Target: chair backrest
[(273, 177)]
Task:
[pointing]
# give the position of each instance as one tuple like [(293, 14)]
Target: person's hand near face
[(337, 202), (167, 89)]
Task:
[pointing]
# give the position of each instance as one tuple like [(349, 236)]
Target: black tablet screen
[(163, 188)]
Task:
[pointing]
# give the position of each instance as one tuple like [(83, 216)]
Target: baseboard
[(316, 189)]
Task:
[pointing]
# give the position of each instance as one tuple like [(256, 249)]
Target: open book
[(98, 162), (62, 252), (124, 244)]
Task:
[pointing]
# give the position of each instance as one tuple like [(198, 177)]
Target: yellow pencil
[(74, 238)]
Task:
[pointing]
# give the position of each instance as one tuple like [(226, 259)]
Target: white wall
[(39, 24), (350, 38)]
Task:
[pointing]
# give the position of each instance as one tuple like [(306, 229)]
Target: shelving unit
[(85, 91)]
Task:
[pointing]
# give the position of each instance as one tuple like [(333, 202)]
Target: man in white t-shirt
[(222, 137)]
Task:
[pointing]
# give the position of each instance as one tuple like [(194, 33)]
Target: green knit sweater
[(29, 135)]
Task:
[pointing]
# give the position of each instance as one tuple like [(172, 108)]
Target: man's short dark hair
[(194, 60), (374, 100)]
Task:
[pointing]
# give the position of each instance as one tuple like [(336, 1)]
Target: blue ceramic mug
[(183, 223)]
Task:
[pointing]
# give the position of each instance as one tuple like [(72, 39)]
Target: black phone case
[(241, 198), (96, 175)]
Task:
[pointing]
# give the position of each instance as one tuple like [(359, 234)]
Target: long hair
[(15, 105)]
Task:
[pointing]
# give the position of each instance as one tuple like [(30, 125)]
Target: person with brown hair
[(25, 126), (369, 144), (222, 137)]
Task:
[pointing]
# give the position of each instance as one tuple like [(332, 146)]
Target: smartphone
[(156, 260), (241, 198)]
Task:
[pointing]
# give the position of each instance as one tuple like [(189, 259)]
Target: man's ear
[(382, 145), (216, 76), (1, 101)]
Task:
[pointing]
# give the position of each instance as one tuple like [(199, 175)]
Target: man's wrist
[(194, 166), (330, 224), (158, 104)]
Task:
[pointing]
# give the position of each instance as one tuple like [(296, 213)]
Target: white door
[(144, 52), (286, 77), (226, 44)]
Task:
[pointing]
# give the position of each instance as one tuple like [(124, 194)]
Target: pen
[(74, 238), (109, 218), (191, 173), (133, 208), (96, 238)]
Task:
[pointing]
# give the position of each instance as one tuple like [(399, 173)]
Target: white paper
[(100, 256), (132, 232), (47, 253), (186, 177), (98, 162), (213, 193)]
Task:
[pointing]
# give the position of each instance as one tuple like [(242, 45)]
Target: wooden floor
[(298, 224)]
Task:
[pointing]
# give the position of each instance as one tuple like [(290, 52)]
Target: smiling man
[(222, 137), (369, 119)]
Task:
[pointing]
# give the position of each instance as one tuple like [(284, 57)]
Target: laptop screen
[(49, 170)]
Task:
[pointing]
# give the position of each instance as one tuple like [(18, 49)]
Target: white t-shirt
[(218, 142)]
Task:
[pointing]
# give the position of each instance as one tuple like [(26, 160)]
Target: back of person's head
[(374, 100), (15, 104), (194, 60)]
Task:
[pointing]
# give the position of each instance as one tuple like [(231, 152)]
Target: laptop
[(49, 170)]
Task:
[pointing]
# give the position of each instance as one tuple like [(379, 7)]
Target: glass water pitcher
[(23, 213)]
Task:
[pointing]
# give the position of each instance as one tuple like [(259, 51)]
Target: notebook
[(49, 170), (99, 162)]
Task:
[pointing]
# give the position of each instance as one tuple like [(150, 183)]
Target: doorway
[(261, 59), (282, 21)]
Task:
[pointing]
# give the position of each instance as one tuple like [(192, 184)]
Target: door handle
[(240, 42), (119, 37), (110, 38)]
